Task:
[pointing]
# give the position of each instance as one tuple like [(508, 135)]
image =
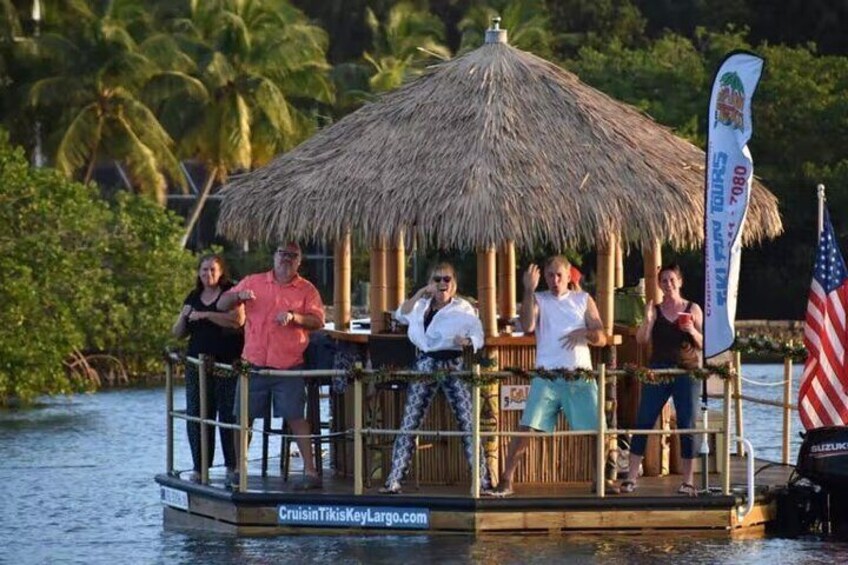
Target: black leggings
[(220, 399)]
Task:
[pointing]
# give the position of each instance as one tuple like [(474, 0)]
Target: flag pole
[(821, 199)]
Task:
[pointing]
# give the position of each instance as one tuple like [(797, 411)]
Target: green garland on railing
[(649, 376), (240, 367), (553, 374), (391, 373), (759, 344), (646, 375)]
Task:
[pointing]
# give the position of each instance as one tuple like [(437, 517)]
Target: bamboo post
[(606, 252), (725, 450), (475, 432), (169, 416), (378, 284), (204, 428), (341, 283), (619, 265), (396, 273), (243, 425), (506, 281), (605, 294), (486, 291), (740, 425), (600, 460), (652, 260), (357, 436), (787, 410)]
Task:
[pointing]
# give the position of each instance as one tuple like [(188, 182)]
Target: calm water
[(78, 488)]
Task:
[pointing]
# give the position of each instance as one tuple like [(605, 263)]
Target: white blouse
[(456, 318)]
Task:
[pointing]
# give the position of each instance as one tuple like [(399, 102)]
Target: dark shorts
[(287, 395)]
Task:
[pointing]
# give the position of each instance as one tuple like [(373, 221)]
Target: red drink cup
[(683, 318)]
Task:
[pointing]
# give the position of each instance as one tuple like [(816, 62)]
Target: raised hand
[(531, 277), (246, 295), (650, 312)]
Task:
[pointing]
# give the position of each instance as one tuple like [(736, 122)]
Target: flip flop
[(688, 489), (627, 486), (502, 492)]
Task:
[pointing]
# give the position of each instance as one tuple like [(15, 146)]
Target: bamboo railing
[(358, 432)]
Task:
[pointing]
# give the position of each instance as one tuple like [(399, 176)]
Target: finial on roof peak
[(495, 34)]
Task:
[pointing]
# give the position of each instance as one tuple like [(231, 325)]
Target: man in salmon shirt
[(281, 308)]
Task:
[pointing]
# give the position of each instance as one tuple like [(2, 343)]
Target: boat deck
[(271, 506)]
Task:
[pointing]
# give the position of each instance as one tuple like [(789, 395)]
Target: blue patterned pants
[(419, 397)]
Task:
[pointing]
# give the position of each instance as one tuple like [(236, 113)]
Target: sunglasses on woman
[(437, 279), (288, 254)]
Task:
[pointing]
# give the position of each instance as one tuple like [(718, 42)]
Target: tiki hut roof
[(492, 146)]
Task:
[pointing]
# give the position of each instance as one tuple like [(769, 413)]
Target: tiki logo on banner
[(731, 101)]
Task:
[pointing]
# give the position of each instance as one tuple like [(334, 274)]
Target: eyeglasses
[(288, 254), (447, 278)]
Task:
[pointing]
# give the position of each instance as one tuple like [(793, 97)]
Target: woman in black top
[(668, 326), (219, 335)]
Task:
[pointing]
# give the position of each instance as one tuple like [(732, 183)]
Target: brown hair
[(673, 267), (224, 282)]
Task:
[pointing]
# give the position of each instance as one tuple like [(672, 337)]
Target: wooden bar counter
[(442, 461)]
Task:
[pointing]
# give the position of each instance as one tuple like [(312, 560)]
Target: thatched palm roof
[(495, 145)]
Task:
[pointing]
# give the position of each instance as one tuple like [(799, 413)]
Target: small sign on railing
[(514, 397)]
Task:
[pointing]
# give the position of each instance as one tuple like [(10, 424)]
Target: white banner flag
[(728, 190)]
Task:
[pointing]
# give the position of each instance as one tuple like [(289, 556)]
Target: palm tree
[(407, 38), (259, 72), (95, 72)]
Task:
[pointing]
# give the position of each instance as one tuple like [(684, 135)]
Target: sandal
[(502, 491), (392, 488), (688, 489), (627, 486)]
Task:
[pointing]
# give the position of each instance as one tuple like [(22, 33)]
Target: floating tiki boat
[(491, 151)]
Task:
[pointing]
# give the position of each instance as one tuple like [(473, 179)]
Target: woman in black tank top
[(667, 326)]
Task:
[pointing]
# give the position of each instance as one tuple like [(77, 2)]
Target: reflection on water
[(78, 480)]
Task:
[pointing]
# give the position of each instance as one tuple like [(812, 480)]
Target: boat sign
[(175, 498), (329, 515)]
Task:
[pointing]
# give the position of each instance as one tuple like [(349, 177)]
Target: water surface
[(78, 488)]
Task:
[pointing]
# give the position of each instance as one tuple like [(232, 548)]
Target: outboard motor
[(821, 501), (823, 458)]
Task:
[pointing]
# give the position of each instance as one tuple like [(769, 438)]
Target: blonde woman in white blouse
[(440, 325)]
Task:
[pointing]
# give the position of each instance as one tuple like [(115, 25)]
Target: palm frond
[(147, 128), (115, 33), (234, 134), (272, 102), (79, 141), (142, 164), (59, 91), (163, 50), (129, 70), (233, 35), (170, 84), (219, 72)]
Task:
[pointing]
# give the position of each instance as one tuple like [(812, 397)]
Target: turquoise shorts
[(578, 399)]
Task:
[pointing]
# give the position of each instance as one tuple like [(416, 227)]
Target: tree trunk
[(194, 216)]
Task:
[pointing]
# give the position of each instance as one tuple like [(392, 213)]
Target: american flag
[(822, 399)]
